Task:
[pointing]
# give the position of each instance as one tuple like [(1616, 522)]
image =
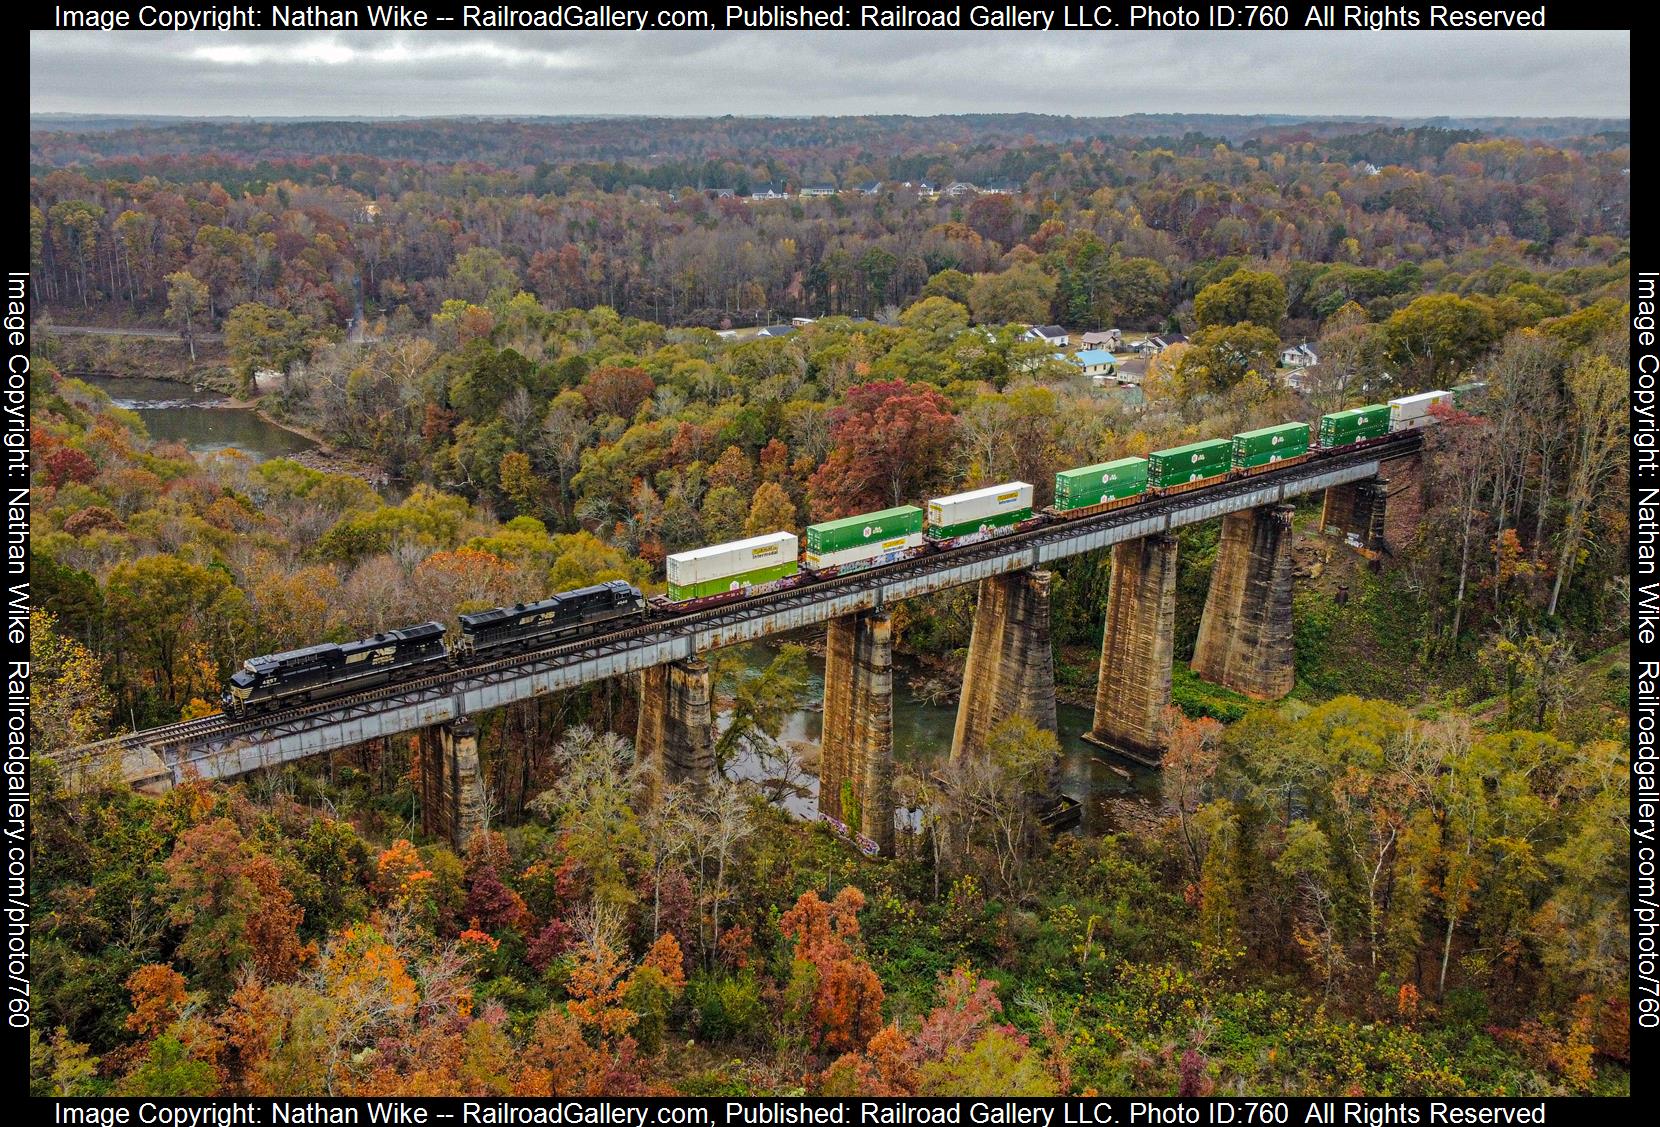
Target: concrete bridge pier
[(1359, 509), (452, 785), (1245, 632), (1011, 662), (1339, 509), (857, 760), (675, 734), (1137, 648)]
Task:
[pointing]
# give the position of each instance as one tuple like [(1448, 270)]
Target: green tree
[(187, 297), (1221, 356), (175, 616), (263, 336), (1254, 296), (1438, 336), (1021, 293), (480, 276), (772, 511)]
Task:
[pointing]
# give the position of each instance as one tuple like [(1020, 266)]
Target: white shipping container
[(1412, 411), (721, 560), (978, 504), (861, 552)]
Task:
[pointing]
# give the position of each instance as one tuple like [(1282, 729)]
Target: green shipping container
[(1182, 464), (1253, 448), (994, 520), (1343, 427), (754, 578), (1094, 485), (856, 531)]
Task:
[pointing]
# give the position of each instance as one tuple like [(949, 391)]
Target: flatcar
[(722, 572), (1255, 450), (978, 514), (1357, 424), (330, 670), (528, 626), (1188, 467), (1095, 489), (837, 547)]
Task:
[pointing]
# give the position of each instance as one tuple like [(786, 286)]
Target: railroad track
[(669, 625)]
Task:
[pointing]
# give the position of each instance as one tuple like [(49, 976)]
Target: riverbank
[(168, 418)]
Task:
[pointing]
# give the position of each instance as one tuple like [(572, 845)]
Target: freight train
[(757, 565)]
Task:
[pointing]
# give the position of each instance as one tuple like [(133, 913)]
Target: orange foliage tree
[(847, 995)]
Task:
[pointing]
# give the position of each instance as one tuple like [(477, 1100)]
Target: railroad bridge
[(1244, 643)]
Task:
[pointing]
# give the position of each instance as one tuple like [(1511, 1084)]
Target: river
[(1115, 794), (922, 733), (202, 419)]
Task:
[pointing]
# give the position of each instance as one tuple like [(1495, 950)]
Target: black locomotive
[(527, 626), (318, 672), (330, 670)]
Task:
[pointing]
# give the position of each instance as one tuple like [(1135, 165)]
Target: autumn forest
[(527, 351)]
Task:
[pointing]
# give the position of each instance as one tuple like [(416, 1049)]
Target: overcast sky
[(1406, 74)]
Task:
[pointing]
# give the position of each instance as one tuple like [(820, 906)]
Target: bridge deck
[(219, 746)]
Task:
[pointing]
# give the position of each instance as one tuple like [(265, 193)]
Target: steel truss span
[(220, 746)]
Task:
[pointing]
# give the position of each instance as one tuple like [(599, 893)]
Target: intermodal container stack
[(868, 536), (1342, 428), (731, 567), (1253, 448), (1096, 485), (979, 510), (1413, 411), (1193, 462)]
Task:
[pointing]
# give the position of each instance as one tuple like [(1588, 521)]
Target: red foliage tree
[(69, 464), (495, 906), (891, 444), (616, 391)]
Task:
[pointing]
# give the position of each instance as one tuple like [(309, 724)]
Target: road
[(102, 331)]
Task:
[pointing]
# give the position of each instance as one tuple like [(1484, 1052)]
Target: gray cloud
[(1407, 74)]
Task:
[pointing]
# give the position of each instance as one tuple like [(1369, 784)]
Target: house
[(721, 193), (1159, 343), (802, 322), (1003, 188), (924, 188), (1299, 356), (818, 191), (1098, 364), (870, 189), (1047, 334), (771, 190), (1109, 339), (727, 334), (959, 188), (772, 331)]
